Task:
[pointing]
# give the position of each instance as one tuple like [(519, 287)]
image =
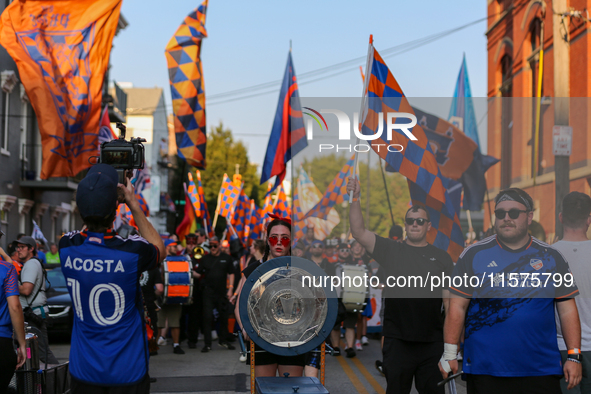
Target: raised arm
[(365, 237)]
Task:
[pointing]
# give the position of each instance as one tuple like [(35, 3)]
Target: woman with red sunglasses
[(278, 245)]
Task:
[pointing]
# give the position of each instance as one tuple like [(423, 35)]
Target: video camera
[(124, 156)]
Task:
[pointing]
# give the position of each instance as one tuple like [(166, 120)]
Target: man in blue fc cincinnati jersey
[(504, 291), (109, 348)]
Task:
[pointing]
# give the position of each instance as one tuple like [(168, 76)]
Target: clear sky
[(248, 43)]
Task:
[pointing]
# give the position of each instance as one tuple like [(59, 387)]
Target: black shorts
[(486, 384), (78, 387), (350, 321), (266, 358)]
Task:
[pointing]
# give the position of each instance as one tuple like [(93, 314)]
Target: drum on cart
[(178, 280)]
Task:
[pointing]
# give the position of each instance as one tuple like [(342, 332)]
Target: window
[(5, 117)]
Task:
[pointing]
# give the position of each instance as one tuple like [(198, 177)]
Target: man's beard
[(521, 233)]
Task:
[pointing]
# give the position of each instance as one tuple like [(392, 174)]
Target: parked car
[(59, 303)]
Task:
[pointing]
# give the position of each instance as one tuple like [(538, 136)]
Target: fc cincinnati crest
[(536, 264)]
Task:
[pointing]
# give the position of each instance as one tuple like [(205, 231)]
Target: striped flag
[(288, 136)]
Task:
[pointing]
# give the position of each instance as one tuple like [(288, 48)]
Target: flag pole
[(217, 211), (387, 194), (363, 102)]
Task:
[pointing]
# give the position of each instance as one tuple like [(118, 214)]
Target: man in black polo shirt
[(217, 270), (413, 319)]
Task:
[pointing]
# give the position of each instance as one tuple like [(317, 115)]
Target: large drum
[(355, 290), (178, 280)]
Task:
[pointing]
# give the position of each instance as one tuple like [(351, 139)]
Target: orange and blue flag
[(255, 222), (61, 49), (194, 196), (458, 156), (228, 197), (203, 205), (416, 162), (143, 204), (282, 207), (241, 217), (288, 136), (334, 194), (187, 88)]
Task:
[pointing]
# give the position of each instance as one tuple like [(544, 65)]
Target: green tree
[(322, 171), (222, 155)]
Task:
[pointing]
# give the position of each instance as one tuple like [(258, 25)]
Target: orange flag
[(61, 49)]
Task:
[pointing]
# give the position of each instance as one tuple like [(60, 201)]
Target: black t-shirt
[(418, 319), (251, 267), (215, 270), (149, 279)]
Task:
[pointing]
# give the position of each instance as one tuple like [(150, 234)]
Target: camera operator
[(32, 295), (109, 350)]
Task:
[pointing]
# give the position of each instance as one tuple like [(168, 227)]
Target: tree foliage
[(322, 171)]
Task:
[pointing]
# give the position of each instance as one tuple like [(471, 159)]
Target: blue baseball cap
[(168, 242), (97, 192)]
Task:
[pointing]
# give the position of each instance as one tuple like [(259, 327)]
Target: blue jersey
[(510, 329), (109, 344), (8, 288)]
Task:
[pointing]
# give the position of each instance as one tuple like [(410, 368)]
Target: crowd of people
[(509, 332)]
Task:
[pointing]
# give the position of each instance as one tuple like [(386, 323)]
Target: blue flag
[(288, 136)]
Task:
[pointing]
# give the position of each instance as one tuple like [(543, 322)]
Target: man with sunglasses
[(413, 319), (510, 330), (217, 269)]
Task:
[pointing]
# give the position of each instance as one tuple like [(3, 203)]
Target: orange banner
[(61, 49)]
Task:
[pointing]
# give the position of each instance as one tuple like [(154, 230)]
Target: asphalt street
[(221, 372)]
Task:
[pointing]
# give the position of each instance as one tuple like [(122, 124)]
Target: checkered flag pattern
[(187, 87), (416, 162), (229, 194), (335, 193)]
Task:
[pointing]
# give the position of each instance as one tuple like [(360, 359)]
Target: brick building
[(516, 30)]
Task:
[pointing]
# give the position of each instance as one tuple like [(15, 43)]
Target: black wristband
[(575, 357)]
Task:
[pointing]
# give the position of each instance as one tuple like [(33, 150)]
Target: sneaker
[(192, 345), (162, 341), (350, 353), (205, 349), (227, 345), (364, 341), (178, 350), (242, 358), (358, 345), (214, 335), (337, 351), (380, 366)]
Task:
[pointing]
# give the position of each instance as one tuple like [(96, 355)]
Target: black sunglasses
[(513, 213), (411, 221)]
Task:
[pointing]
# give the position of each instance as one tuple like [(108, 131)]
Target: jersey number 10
[(94, 302)]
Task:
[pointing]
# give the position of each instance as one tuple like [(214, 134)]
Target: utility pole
[(561, 54)]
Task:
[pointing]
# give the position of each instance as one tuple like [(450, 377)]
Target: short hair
[(415, 208), (98, 223), (576, 208), (259, 245), (517, 195)]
